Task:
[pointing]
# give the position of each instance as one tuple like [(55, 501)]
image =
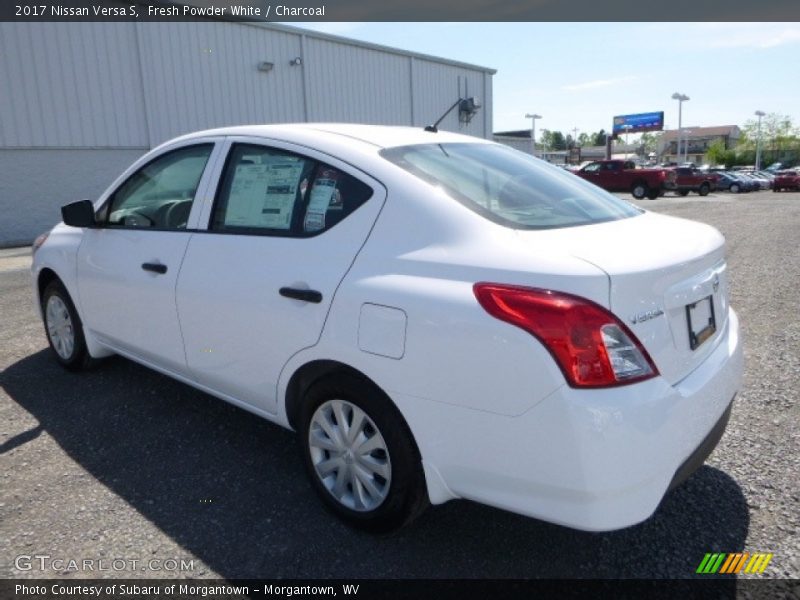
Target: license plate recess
[(701, 321)]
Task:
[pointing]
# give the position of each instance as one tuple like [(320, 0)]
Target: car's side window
[(275, 192), (160, 194)]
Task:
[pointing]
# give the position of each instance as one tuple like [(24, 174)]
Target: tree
[(717, 154), (553, 140), (649, 141), (780, 140), (773, 126), (599, 138)]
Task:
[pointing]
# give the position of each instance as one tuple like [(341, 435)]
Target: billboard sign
[(653, 121)]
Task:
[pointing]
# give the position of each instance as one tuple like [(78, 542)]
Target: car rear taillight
[(591, 346)]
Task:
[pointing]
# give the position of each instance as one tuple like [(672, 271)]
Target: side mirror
[(78, 214)]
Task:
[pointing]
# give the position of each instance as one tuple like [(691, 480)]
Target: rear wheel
[(639, 190), (64, 328), (704, 189), (653, 193), (360, 455), (735, 188)]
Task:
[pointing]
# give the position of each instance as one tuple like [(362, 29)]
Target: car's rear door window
[(270, 191)]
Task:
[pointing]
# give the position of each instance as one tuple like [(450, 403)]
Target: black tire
[(639, 190), (683, 192), (704, 189), (57, 302), (404, 491), (735, 188), (653, 193)]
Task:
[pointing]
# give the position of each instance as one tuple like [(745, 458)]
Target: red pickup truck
[(623, 176), (688, 179)]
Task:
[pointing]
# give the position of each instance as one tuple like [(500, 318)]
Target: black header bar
[(300, 11)]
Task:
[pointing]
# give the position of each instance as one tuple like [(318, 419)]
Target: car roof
[(381, 136)]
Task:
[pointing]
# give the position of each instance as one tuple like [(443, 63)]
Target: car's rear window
[(509, 187)]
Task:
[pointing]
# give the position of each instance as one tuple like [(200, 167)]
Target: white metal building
[(80, 101)]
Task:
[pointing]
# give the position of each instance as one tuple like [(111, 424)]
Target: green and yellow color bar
[(728, 563)]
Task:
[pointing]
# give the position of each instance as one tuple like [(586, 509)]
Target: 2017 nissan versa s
[(437, 316)]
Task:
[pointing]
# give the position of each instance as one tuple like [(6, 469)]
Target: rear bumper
[(589, 459), (704, 450)]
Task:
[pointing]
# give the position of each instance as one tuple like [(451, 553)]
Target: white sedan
[(437, 316)]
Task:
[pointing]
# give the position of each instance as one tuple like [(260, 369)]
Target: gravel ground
[(124, 463)]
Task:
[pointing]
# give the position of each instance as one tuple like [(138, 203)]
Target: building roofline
[(694, 131), (358, 43)]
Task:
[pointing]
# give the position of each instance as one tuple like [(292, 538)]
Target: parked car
[(766, 174), (437, 316), (781, 166), (761, 182), (731, 182), (786, 180), (624, 176), (689, 179)]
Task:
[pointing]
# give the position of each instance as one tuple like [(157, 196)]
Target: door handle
[(304, 295), (155, 268)]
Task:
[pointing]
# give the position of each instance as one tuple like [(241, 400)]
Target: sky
[(582, 74)]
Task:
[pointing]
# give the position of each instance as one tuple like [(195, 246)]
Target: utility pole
[(681, 98), (533, 118), (759, 114)]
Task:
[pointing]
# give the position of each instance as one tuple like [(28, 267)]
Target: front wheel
[(653, 193), (704, 189), (735, 188), (63, 328), (360, 455)]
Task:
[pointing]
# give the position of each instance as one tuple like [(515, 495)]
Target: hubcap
[(349, 455), (59, 327)]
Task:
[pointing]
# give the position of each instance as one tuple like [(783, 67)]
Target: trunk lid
[(657, 267)]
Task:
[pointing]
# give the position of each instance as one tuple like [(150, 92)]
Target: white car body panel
[(490, 410), (110, 274), (224, 324)]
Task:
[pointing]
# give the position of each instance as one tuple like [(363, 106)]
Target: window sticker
[(321, 195), (314, 221), (247, 190), (263, 195), (330, 178), (324, 197)]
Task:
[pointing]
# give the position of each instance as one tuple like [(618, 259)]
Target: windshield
[(509, 187)]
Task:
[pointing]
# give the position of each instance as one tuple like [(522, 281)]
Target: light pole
[(627, 129), (575, 140), (687, 133), (533, 118), (759, 114), (681, 98)]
